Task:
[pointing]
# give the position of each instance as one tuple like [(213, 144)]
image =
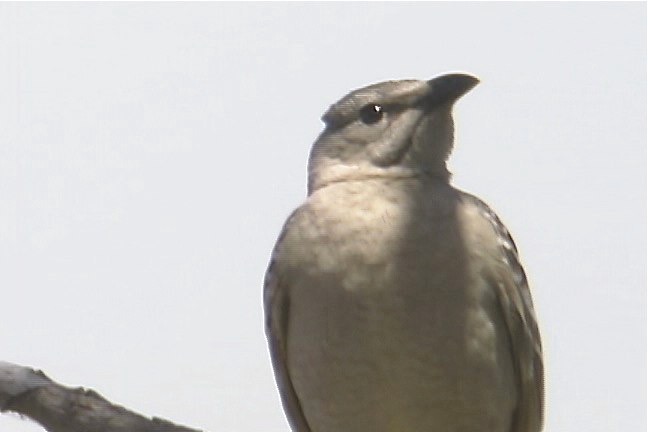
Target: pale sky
[(150, 153)]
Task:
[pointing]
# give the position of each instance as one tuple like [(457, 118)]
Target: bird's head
[(389, 129)]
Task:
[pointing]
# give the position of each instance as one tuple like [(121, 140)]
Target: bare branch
[(57, 408)]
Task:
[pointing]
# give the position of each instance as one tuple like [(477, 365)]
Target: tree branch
[(57, 408)]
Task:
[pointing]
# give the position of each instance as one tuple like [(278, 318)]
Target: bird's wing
[(277, 312), (517, 309)]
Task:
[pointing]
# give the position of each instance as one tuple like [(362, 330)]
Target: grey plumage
[(395, 302)]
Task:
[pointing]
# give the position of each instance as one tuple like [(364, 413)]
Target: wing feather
[(277, 311), (517, 308)]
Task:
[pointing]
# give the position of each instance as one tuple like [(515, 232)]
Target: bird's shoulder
[(298, 224), (478, 209), (506, 248)]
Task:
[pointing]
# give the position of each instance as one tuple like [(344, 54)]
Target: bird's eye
[(372, 113)]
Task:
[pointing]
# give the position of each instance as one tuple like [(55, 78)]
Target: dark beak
[(446, 89)]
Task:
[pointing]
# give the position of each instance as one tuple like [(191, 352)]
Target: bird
[(395, 302)]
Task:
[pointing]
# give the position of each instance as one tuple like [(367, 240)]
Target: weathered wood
[(57, 408)]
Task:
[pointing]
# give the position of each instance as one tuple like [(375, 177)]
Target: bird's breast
[(391, 328)]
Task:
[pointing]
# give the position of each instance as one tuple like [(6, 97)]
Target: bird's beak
[(446, 89)]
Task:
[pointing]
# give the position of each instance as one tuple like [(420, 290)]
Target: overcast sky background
[(150, 153)]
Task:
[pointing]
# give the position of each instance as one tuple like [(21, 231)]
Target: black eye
[(372, 113)]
